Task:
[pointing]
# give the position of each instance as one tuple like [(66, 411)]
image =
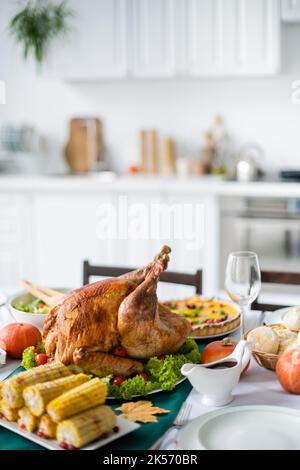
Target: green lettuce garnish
[(28, 356), (130, 387), (39, 346), (163, 373), (188, 346)]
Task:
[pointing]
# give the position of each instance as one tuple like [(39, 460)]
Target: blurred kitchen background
[(167, 101)]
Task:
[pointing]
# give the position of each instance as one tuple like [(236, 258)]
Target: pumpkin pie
[(208, 316)]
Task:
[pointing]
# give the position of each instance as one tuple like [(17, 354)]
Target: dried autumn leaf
[(134, 405), (142, 411), (140, 417)]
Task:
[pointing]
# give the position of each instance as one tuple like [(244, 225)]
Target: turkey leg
[(146, 328), (156, 266), (102, 364)]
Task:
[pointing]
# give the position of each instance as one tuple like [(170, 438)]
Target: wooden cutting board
[(85, 145)]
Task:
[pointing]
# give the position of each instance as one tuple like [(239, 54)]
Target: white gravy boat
[(215, 382), (2, 357)]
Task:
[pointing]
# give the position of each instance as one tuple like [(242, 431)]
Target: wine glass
[(242, 280)]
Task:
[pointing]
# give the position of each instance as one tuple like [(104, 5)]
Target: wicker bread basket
[(266, 360)]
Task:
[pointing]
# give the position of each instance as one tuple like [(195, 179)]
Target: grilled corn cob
[(38, 396), (11, 414), (47, 427), (27, 420), (86, 427), (13, 387), (81, 398)]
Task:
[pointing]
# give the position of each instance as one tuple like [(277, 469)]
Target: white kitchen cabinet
[(253, 38), (157, 38), (107, 229), (96, 46), (205, 37), (125, 229), (194, 241), (66, 236), (233, 37), (290, 11), (16, 261), (113, 39)]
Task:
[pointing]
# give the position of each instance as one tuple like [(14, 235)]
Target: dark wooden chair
[(275, 277), (172, 277)]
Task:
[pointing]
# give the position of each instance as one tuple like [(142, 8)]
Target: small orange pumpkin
[(218, 350), (288, 370), (18, 336)]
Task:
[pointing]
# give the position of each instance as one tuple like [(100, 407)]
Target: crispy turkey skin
[(91, 321)]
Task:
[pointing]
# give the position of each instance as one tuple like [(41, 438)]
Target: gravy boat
[(216, 380)]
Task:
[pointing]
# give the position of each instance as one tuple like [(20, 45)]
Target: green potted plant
[(37, 25)]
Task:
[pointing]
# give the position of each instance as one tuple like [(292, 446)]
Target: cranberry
[(144, 376), (41, 434), (162, 357), (64, 445), (1, 416), (119, 351), (22, 426), (118, 381), (116, 429)]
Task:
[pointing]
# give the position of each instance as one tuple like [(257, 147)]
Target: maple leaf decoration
[(141, 411)]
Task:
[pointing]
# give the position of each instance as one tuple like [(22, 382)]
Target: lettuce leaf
[(163, 373), (130, 387), (28, 358)]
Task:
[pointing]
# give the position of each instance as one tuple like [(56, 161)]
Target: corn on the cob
[(47, 427), (38, 396), (78, 399), (86, 427), (27, 420), (13, 387), (11, 414)]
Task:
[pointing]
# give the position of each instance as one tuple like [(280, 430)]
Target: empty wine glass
[(242, 280)]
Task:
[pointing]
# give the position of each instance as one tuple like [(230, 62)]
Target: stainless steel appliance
[(268, 226)]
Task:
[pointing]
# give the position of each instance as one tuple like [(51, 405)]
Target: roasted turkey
[(89, 323)]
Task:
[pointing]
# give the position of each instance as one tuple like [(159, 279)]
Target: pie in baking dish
[(208, 316)]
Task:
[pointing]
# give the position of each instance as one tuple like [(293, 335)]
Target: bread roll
[(292, 319), (264, 339)]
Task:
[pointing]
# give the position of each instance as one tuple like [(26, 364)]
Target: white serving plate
[(277, 316), (243, 428), (125, 427)]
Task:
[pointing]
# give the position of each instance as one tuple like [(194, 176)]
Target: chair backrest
[(171, 277), (276, 277)]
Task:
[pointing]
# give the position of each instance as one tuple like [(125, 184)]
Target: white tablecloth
[(11, 364), (259, 386)]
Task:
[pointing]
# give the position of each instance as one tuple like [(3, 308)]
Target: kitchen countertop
[(206, 185)]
